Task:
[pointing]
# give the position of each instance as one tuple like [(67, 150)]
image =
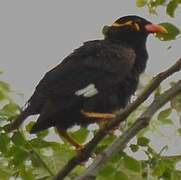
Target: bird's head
[(132, 28)]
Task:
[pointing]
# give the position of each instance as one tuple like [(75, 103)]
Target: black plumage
[(99, 77)]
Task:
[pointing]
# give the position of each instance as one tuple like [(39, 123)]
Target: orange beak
[(155, 28)]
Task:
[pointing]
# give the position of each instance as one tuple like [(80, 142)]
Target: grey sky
[(36, 35)]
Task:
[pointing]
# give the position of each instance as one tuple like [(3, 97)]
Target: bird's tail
[(18, 121)]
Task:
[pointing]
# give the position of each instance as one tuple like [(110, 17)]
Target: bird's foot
[(79, 149), (103, 124)]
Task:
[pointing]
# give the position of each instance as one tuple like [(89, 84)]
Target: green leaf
[(107, 171), (172, 30), (159, 169), (26, 174), (75, 172), (80, 135), (108, 139), (134, 147), (164, 114), (176, 103), (58, 158), (176, 175), (141, 3), (157, 91), (116, 157), (29, 126), (5, 173), (143, 141), (41, 174), (11, 107), (20, 156), (9, 111), (120, 175), (166, 121), (18, 139), (105, 30), (167, 175), (160, 2), (4, 86), (132, 164), (2, 96), (104, 143), (171, 7), (4, 142), (35, 161), (43, 134), (179, 131), (39, 143), (155, 3)]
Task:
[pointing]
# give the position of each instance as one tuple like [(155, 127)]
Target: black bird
[(94, 81)]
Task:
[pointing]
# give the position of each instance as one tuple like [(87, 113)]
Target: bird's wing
[(92, 68), (94, 62)]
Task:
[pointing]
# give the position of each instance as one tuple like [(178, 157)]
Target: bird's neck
[(138, 43)]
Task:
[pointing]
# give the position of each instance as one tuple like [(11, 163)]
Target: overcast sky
[(36, 35)]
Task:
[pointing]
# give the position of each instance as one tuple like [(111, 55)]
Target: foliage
[(170, 5), (36, 158)]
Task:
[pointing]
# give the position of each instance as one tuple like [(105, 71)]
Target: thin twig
[(120, 142), (86, 152)]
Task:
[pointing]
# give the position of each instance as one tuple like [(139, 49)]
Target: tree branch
[(120, 142), (86, 152)]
